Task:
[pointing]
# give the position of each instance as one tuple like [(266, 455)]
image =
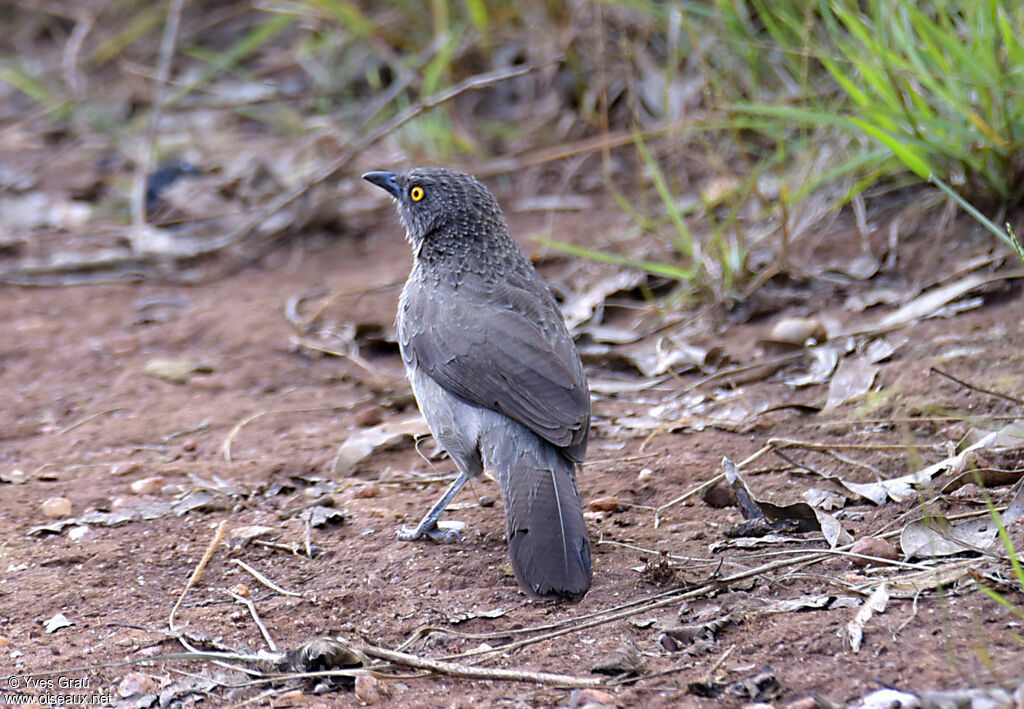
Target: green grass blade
[(1009, 238), (478, 17), (910, 157), (248, 44), (667, 270), (20, 79), (684, 240), (348, 15)]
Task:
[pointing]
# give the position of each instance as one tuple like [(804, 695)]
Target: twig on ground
[(710, 674), (247, 602), (815, 446), (264, 580), (471, 672), (302, 325), (352, 357), (87, 419), (293, 549), (975, 387), (72, 49), (218, 536), (226, 445)]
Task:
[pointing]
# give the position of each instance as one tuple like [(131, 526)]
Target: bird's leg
[(428, 525)]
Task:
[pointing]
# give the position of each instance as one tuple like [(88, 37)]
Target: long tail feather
[(547, 535)]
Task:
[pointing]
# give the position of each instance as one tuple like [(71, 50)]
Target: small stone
[(240, 536), (78, 533), (189, 445), (178, 371), (609, 503), (369, 689), (645, 474), (56, 507), (719, 495), (872, 546), (16, 477), (367, 490), (294, 698), (592, 516), (240, 589), (135, 683), (592, 699), (486, 501), (127, 469), (146, 486), (798, 331)]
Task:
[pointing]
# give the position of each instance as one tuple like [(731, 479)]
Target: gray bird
[(495, 373)]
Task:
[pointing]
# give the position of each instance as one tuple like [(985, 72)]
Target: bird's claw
[(435, 534)]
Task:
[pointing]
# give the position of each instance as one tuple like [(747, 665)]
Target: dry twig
[(264, 580), (218, 536), (454, 669)]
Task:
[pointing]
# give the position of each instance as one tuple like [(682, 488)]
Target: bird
[(495, 373)]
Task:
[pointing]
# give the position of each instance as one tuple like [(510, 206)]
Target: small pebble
[(798, 331), (368, 490), (240, 536), (135, 683), (16, 476), (126, 469), (369, 689), (487, 501), (645, 474), (56, 507), (294, 698), (872, 546), (719, 495), (609, 503), (146, 486), (592, 698), (240, 589)]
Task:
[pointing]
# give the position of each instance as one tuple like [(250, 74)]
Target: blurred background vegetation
[(726, 129)]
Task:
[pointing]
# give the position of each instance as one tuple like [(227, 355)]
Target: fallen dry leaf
[(364, 442), (875, 604)]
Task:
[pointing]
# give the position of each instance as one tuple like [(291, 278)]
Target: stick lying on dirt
[(455, 669)]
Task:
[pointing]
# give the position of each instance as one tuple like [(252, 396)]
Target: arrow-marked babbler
[(495, 373)]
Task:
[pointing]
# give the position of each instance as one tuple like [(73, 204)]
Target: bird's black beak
[(386, 181)]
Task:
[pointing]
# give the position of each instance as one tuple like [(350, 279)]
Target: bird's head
[(443, 202)]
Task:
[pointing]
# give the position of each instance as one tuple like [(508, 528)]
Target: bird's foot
[(433, 532)]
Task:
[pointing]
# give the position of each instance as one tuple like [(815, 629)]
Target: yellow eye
[(416, 193)]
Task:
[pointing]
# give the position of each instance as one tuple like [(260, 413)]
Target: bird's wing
[(484, 350)]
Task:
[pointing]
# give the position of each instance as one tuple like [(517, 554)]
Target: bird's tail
[(547, 535)]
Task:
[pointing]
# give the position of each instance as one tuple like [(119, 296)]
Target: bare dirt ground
[(82, 419)]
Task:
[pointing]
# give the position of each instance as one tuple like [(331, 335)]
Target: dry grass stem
[(264, 580)]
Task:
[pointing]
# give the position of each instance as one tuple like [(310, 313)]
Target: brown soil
[(81, 420)]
